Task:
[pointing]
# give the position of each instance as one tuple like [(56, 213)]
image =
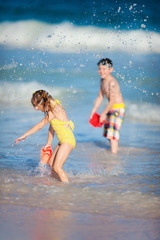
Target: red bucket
[(94, 121), (46, 153)]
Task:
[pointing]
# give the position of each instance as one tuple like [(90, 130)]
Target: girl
[(59, 123)]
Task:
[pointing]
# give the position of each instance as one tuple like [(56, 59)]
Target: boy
[(115, 109)]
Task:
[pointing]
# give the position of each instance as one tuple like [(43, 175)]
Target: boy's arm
[(50, 136), (34, 129), (110, 102), (97, 102)]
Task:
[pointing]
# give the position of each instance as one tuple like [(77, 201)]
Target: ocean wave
[(19, 93), (143, 112), (70, 38)]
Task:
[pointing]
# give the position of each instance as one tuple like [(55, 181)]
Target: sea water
[(56, 47)]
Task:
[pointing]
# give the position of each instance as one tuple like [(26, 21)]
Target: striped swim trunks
[(114, 121)]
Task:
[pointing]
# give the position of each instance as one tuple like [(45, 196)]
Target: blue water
[(55, 45), (124, 15)]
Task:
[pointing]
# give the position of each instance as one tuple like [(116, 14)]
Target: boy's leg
[(112, 128), (61, 156), (114, 146)]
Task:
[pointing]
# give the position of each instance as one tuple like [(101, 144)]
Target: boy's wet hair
[(106, 62)]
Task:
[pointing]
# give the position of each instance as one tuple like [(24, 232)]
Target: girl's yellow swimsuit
[(64, 133)]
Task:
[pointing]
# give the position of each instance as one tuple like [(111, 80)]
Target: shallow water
[(108, 196)]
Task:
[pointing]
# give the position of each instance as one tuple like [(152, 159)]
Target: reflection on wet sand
[(39, 224)]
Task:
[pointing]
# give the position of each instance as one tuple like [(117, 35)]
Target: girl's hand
[(47, 145), (20, 138)]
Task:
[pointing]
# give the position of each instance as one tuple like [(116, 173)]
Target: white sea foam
[(69, 38), (42, 170)]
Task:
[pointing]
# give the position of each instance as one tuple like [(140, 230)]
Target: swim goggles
[(36, 108), (108, 65)]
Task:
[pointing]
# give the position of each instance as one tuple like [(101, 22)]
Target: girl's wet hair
[(38, 96), (106, 62)]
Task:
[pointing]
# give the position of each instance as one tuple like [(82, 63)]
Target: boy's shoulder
[(113, 80), (109, 79)]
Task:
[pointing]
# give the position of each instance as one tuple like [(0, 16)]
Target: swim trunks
[(63, 130), (114, 121)]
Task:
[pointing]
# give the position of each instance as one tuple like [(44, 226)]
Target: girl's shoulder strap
[(54, 102), (57, 101)]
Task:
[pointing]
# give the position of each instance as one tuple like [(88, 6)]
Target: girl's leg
[(51, 160), (60, 158)]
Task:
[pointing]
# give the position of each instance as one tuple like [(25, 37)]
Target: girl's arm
[(34, 129), (50, 136)]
